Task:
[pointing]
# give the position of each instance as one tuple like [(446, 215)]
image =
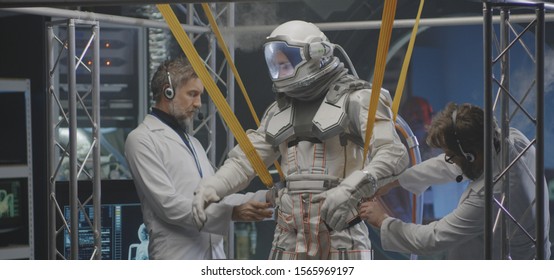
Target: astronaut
[(317, 126)]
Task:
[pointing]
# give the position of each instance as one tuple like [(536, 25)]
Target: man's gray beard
[(184, 123)]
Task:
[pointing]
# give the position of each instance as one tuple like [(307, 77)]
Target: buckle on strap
[(311, 183), (307, 186)]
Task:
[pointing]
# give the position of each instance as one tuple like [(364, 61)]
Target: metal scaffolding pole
[(539, 164), (52, 117), (266, 29), (505, 125), (104, 18), (504, 95), (60, 115), (487, 40), (73, 187), (96, 135)]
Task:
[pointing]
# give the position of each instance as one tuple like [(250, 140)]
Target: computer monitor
[(14, 225), (123, 234), (13, 122)]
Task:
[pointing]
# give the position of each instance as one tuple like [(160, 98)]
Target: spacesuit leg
[(301, 234), (351, 244)]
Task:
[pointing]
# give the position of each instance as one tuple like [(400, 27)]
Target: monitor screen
[(13, 123), (123, 234), (13, 211)]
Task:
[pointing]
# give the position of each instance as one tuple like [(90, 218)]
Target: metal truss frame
[(507, 38), (60, 115), (66, 153)]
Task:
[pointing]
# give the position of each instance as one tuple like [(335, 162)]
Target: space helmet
[(298, 54)]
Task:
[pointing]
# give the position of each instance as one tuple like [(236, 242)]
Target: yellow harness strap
[(387, 21), (227, 55), (215, 94), (399, 91), (404, 71), (380, 63)]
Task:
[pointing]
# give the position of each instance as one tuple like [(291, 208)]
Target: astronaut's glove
[(339, 206), (204, 195)]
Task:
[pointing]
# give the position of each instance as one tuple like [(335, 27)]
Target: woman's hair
[(180, 72), (467, 129)]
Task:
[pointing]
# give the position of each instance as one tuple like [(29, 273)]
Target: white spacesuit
[(317, 126)]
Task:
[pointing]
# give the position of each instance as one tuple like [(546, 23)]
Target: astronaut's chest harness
[(315, 122)]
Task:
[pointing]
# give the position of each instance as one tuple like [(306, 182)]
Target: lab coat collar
[(157, 126)]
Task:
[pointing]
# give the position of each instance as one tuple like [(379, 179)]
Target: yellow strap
[(387, 21), (227, 55), (225, 50), (404, 71), (215, 94)]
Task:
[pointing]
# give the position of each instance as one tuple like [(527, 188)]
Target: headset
[(169, 92), (469, 156)]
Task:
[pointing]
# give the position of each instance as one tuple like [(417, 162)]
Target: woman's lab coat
[(461, 232), (165, 176)]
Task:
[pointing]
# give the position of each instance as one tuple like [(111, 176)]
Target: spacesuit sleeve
[(387, 156), (237, 172), (433, 171), (238, 199), (463, 223)]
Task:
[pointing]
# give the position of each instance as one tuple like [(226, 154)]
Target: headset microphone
[(200, 116), (459, 178)]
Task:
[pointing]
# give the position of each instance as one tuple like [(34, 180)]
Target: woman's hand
[(372, 212)]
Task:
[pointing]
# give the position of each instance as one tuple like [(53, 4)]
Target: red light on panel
[(112, 62), (112, 44)]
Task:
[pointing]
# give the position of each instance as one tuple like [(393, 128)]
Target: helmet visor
[(282, 60)]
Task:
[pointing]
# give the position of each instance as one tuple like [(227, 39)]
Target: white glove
[(340, 204), (203, 196)]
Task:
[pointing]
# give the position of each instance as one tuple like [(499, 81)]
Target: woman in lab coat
[(458, 130)]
